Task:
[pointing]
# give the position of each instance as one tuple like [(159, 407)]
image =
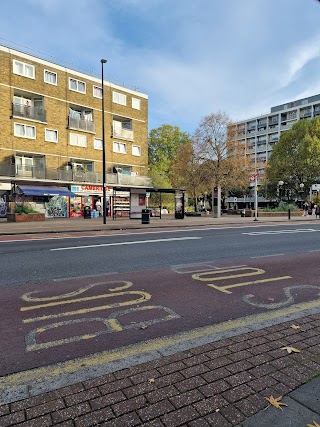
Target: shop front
[(5, 190), (89, 196), (50, 200)]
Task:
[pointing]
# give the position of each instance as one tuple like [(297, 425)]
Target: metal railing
[(81, 124), (68, 175), (28, 112)]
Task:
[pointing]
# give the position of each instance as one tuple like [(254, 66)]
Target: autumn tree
[(188, 172), (220, 153), (295, 159)]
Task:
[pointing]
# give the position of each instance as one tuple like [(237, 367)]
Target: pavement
[(73, 225), (219, 380)]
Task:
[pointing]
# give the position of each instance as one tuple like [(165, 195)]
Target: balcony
[(122, 128), (68, 175), (28, 112), (81, 124), (305, 114), (286, 127), (122, 133), (316, 111), (124, 179), (261, 148), (262, 124)]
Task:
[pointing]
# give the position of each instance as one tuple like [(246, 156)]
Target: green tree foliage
[(295, 159), (164, 143)]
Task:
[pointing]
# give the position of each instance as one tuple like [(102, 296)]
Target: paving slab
[(309, 395), (294, 415)]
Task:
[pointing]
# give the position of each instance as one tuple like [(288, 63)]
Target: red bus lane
[(62, 320)]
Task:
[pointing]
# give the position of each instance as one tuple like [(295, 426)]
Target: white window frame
[(119, 144), (136, 147), (136, 103), (77, 85), (96, 87), (24, 65), (51, 130), (25, 133), (95, 145), (74, 140), (45, 72), (119, 98)]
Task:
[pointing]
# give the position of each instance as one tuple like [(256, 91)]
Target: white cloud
[(298, 57), (192, 58)]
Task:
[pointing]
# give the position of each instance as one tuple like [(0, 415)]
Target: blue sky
[(192, 57)]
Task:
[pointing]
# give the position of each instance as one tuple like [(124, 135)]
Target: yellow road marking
[(51, 372), (115, 325), (71, 301), (254, 272), (144, 298), (28, 297), (235, 285)]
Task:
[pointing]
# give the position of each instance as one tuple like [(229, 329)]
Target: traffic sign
[(253, 177)]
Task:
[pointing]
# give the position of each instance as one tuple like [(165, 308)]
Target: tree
[(163, 145), (188, 172), (295, 159), (221, 154)]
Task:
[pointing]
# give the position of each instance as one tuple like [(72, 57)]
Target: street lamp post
[(280, 184), (104, 200), (301, 191)]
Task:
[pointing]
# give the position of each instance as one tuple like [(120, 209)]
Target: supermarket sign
[(90, 189)]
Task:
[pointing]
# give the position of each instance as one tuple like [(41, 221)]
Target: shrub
[(24, 208), (283, 207)]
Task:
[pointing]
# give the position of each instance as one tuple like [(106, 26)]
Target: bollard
[(289, 213)]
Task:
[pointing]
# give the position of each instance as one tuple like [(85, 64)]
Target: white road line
[(126, 243), (112, 233), (273, 232), (266, 256), (315, 250)]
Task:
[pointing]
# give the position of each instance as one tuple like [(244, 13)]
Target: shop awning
[(44, 190)]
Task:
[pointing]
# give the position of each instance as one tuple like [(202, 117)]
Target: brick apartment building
[(51, 138)]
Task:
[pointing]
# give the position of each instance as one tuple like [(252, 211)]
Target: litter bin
[(87, 212), (145, 216)]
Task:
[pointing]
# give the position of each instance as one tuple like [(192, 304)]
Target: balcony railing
[(29, 172), (28, 112), (123, 133), (262, 124), (81, 124), (261, 147), (68, 175)]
